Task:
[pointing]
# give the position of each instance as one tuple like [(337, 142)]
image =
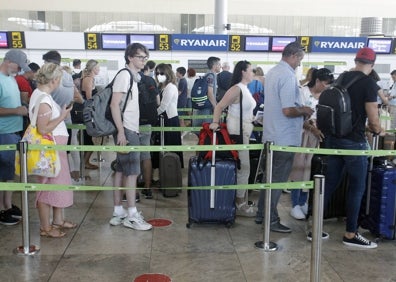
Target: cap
[(365, 55), (18, 57), (52, 57)]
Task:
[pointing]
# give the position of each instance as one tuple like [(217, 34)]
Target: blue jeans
[(355, 167), (207, 111), (298, 197), (281, 167)]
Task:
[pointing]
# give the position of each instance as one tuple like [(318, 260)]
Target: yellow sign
[(305, 42), (92, 41), (17, 40), (235, 43), (163, 42)]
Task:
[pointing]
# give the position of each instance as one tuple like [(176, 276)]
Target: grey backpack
[(97, 114)]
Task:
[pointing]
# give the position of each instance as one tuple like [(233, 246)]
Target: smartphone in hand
[(70, 105)]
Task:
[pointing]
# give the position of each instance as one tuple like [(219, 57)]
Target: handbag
[(238, 138), (77, 113), (39, 162)]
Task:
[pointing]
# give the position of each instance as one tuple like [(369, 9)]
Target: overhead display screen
[(279, 43), (147, 40), (256, 43), (3, 40), (380, 45), (114, 41)]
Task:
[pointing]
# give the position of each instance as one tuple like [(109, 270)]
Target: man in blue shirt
[(283, 123), (11, 123)]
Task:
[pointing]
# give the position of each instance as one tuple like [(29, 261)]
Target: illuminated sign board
[(114, 41), (3, 40), (92, 41), (16, 39), (256, 43), (236, 43), (279, 42), (337, 44), (147, 40), (198, 42), (380, 45), (164, 42)]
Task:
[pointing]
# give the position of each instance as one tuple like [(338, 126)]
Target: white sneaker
[(137, 222), (304, 208), (117, 219), (245, 210), (297, 213)]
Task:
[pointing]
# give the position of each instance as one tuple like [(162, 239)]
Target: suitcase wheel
[(113, 165)]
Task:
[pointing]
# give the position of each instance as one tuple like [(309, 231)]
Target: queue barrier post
[(317, 228), (26, 248), (266, 245), (82, 161)]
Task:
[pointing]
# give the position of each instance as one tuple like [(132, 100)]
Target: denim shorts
[(128, 163), (7, 158)]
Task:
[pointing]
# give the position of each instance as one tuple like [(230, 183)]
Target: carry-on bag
[(378, 208), (169, 170), (211, 206)]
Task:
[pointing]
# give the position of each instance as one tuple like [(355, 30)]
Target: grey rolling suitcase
[(170, 170)]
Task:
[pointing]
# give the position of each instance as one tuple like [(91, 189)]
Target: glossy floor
[(96, 251)]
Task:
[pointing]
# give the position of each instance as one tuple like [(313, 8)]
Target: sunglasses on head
[(159, 73)]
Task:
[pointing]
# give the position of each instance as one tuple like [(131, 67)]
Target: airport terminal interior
[(96, 251)]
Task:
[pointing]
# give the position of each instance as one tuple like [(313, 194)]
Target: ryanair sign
[(199, 42), (337, 44)]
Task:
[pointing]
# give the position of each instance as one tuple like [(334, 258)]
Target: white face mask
[(161, 78)]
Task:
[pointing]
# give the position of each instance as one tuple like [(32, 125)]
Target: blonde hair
[(48, 72), (91, 64)]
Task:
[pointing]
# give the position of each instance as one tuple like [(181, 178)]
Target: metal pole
[(317, 228), (221, 10), (26, 249), (82, 161), (266, 244)]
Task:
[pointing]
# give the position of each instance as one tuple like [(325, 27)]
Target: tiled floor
[(96, 251)]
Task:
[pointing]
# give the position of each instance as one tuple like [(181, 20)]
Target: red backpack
[(206, 138)]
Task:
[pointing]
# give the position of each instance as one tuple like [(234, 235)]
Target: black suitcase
[(211, 206), (336, 207), (169, 170)]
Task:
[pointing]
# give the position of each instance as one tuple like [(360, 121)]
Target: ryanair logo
[(201, 42), (339, 45)]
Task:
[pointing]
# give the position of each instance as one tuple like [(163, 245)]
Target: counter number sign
[(92, 41), (235, 44), (163, 44), (17, 40)]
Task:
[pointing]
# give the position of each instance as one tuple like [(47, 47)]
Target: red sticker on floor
[(159, 222), (152, 277)]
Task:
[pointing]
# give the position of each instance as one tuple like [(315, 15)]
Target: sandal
[(52, 232), (91, 166), (65, 225)]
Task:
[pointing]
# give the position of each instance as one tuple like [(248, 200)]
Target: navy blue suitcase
[(378, 211), (223, 208)]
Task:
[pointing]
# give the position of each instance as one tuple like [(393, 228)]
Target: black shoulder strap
[(130, 86), (240, 113), (357, 77)]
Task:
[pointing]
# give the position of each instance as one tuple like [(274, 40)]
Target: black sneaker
[(147, 193), (325, 235), (359, 241), (15, 212), (7, 219), (279, 227)]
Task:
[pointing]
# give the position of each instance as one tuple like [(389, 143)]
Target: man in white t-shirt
[(127, 123)]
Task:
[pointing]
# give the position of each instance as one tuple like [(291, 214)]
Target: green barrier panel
[(376, 153), (8, 147), (9, 186)]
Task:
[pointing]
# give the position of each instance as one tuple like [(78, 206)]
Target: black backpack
[(334, 114), (148, 93)]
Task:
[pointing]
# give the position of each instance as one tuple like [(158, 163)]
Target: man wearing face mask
[(11, 112)]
